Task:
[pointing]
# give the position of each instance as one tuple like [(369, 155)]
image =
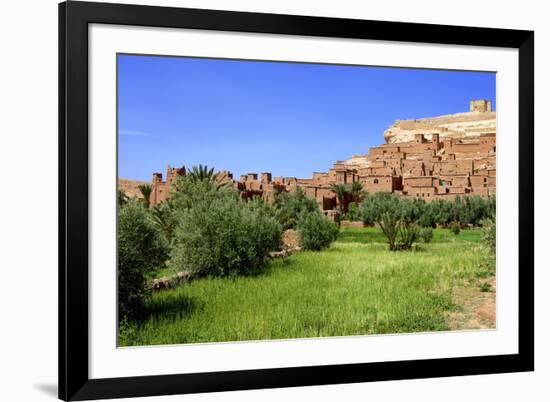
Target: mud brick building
[(437, 157)]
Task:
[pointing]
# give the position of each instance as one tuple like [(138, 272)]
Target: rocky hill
[(130, 187), (468, 125)]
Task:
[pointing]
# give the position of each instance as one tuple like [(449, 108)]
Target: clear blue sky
[(286, 118)]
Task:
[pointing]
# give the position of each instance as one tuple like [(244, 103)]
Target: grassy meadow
[(355, 287)]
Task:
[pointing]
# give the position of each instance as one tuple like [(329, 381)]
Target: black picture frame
[(74, 381)]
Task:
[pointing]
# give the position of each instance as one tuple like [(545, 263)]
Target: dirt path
[(479, 308)]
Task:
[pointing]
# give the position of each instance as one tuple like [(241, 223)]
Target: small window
[(375, 181)]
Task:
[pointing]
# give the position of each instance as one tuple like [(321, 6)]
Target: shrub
[(489, 237), (466, 210), (425, 235), (353, 213), (259, 205), (407, 233), (485, 287), (441, 211), (428, 217), (476, 210), (316, 232), (372, 208), (224, 236), (289, 206), (141, 250), (454, 227), (395, 215)]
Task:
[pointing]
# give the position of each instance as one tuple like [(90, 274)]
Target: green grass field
[(355, 287)]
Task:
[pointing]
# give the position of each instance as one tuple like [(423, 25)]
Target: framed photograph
[(258, 201)]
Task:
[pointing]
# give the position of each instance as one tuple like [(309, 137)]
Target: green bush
[(454, 227), (316, 232), (263, 207), (353, 213), (289, 206), (372, 208), (141, 250), (396, 216), (489, 237), (466, 210), (428, 217), (425, 235), (485, 287), (441, 211), (224, 236)]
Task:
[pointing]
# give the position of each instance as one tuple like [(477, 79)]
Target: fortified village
[(428, 158)]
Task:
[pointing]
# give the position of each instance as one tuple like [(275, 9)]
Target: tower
[(480, 105), (419, 138), (435, 141)]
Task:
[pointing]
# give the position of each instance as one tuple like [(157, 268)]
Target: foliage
[(475, 209), (353, 213), (428, 218), (461, 211), (289, 205), (357, 192), (372, 208), (140, 251), (454, 227), (122, 198), (341, 190), (470, 210), (489, 238), (425, 234), (201, 173), (164, 218), (395, 215), (146, 190), (399, 232), (259, 205), (190, 191), (223, 236), (441, 212), (316, 232)]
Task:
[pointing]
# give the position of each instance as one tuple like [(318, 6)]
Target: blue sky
[(290, 119)]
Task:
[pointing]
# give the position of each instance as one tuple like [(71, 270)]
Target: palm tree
[(356, 191), (164, 218), (340, 190), (122, 198), (146, 191), (199, 173)]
